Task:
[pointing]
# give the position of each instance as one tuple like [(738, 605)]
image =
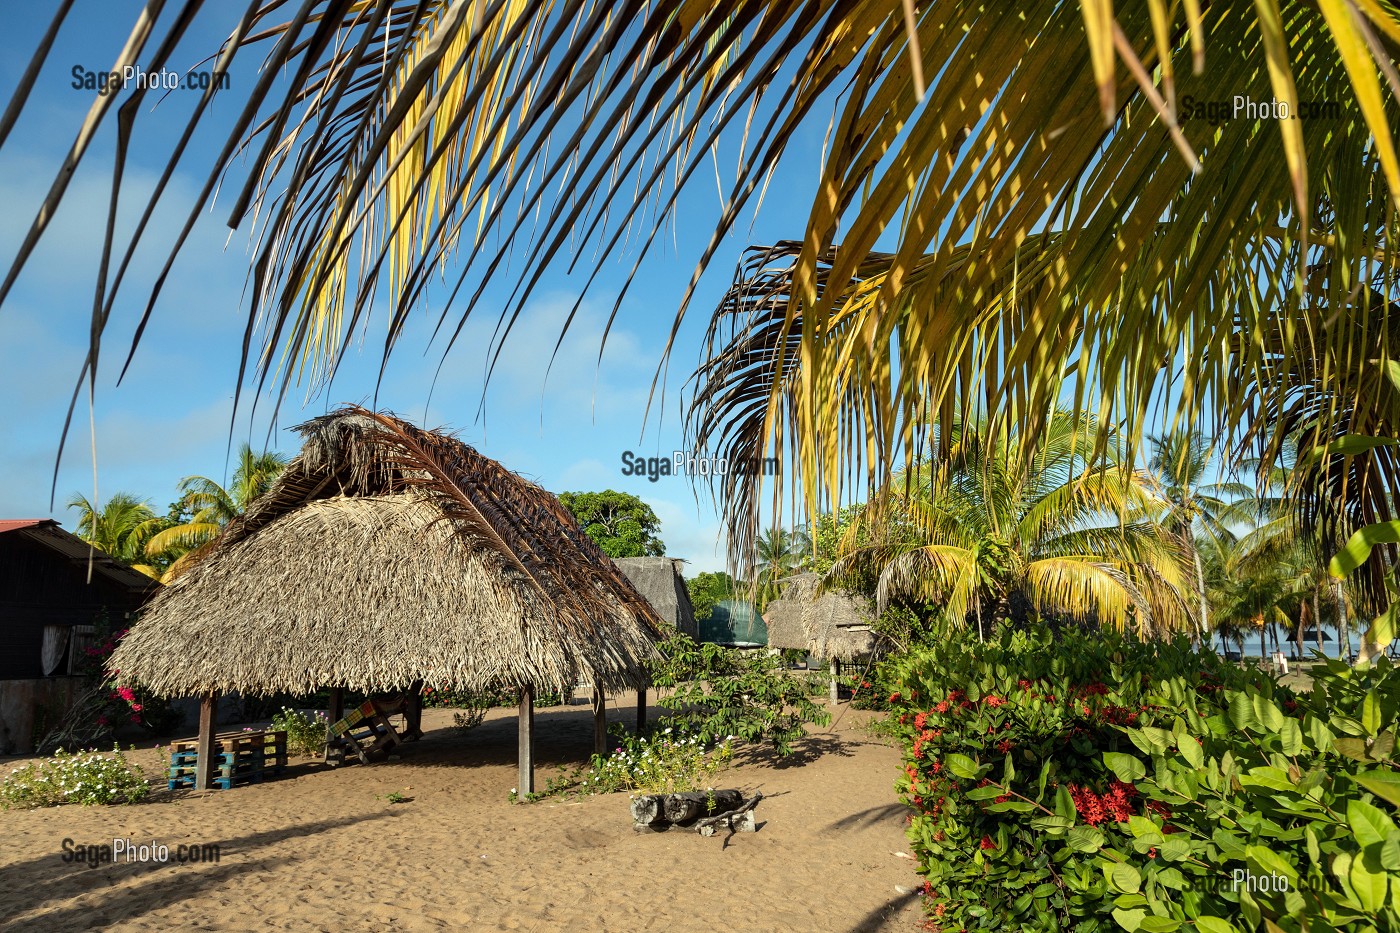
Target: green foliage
[(666, 761), (472, 700), (121, 528), (827, 533), (79, 777), (1103, 783), (706, 589), (306, 733), (721, 694), (622, 524), (1011, 520), (781, 553)]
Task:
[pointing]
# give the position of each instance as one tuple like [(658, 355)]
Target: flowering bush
[(1097, 783), (81, 777), (306, 734), (664, 762)]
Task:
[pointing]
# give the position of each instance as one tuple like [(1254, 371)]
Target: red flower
[(920, 721), (1152, 852), (1005, 746), (894, 697), (994, 701), (987, 843), (1003, 798), (941, 706), (1023, 684)]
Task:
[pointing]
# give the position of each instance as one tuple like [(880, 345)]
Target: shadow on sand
[(32, 884)]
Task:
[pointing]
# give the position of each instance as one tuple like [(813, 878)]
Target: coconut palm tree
[(122, 528), (211, 507), (1178, 464), (1051, 521), (780, 554), (1056, 194)]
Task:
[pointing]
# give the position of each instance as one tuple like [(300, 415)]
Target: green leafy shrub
[(1097, 783), (663, 762), (87, 778), (306, 733), (472, 700), (721, 694)]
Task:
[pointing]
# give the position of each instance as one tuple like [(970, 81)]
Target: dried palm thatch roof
[(659, 580), (829, 625), (386, 554)]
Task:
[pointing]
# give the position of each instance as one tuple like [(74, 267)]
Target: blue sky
[(170, 417)]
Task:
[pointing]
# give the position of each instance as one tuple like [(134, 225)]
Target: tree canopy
[(621, 523)]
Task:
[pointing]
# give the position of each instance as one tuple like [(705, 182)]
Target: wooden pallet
[(239, 758)]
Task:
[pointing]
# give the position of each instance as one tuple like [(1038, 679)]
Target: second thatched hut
[(659, 580), (834, 626)]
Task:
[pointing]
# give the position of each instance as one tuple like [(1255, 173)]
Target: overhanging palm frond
[(1085, 587), (1044, 206)]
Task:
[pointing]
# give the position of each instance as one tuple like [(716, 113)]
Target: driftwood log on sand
[(738, 820), (707, 813)]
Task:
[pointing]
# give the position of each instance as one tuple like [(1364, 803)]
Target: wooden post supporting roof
[(527, 742), (641, 710), (413, 712), (335, 712), (600, 722), (835, 680), (204, 750)]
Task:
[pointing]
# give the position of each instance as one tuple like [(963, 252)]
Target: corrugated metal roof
[(47, 531), (14, 524)]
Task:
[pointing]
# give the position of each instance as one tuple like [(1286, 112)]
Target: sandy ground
[(321, 849)]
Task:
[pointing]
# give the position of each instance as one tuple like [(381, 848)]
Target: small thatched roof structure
[(833, 625), (659, 580), (386, 554)]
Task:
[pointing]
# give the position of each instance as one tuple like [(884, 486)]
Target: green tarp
[(734, 622)]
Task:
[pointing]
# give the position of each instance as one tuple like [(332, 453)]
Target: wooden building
[(54, 588)]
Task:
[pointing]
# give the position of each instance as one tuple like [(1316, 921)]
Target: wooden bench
[(365, 730)]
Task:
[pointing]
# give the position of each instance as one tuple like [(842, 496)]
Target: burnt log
[(734, 822), (648, 809), (682, 808), (738, 820), (659, 811)]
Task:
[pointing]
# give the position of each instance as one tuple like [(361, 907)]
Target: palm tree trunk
[(1298, 634), (1317, 619), (1343, 628), (1203, 623)]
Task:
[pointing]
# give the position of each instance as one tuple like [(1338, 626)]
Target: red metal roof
[(14, 524), (49, 533)]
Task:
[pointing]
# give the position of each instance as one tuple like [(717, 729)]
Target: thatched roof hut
[(833, 625), (385, 555), (659, 580)]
